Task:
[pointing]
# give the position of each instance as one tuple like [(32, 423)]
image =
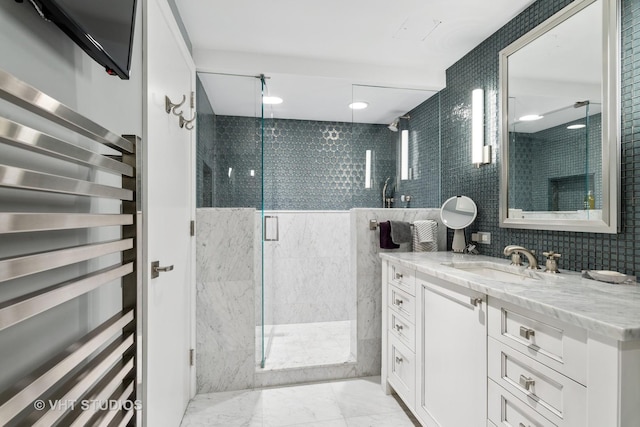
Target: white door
[(169, 208)]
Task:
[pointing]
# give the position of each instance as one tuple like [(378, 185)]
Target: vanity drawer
[(402, 329), (403, 302), (554, 396), (401, 370), (402, 277), (505, 410), (556, 344)]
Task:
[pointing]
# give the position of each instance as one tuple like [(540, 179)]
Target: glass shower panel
[(308, 294), (229, 160), (229, 146)]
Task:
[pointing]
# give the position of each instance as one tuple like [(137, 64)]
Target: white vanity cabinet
[(462, 352), (399, 318), (537, 369), (434, 347), (451, 355)]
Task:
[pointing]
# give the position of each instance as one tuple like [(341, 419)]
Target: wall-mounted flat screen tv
[(102, 28)]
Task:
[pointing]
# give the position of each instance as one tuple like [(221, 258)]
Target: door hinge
[(192, 357), (192, 228), (193, 100)]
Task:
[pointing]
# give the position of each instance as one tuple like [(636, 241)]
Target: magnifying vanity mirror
[(560, 122), (457, 213)]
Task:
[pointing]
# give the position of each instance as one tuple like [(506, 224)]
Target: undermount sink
[(500, 272)]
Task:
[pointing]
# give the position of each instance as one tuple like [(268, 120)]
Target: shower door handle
[(270, 228)]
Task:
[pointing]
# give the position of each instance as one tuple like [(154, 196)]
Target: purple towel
[(385, 236)]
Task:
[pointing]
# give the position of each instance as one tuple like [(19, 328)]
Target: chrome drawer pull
[(527, 383), (526, 333), (399, 276), (476, 301), (522, 425), (398, 301), (398, 359), (399, 327)]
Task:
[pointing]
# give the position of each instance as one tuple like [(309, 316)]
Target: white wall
[(38, 53)]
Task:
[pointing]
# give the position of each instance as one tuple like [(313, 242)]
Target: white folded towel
[(426, 230), (425, 236)]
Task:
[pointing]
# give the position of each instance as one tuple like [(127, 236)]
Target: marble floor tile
[(394, 419), (290, 406), (232, 408), (329, 404), (307, 344), (363, 396)]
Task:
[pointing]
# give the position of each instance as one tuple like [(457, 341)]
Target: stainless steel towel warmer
[(104, 364)]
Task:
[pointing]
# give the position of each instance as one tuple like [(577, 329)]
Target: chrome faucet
[(514, 251)]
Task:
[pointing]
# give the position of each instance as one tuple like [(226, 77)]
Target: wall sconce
[(367, 169), (480, 154), (404, 155)]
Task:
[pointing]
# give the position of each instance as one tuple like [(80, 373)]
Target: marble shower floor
[(306, 344), (350, 403)]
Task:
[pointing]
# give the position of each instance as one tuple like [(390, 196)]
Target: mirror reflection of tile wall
[(553, 169)]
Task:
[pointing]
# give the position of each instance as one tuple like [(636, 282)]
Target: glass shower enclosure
[(302, 173)]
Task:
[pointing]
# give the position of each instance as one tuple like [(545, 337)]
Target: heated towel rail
[(77, 186)]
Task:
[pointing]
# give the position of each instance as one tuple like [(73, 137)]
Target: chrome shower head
[(394, 124)]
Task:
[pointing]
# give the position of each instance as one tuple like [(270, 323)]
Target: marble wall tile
[(266, 378), (225, 299), (224, 336), (307, 271), (224, 244), (366, 274), (327, 268), (369, 357)]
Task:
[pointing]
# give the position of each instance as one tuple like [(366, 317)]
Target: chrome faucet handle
[(516, 259), (552, 261)]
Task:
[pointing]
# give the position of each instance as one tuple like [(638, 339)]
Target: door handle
[(156, 269), (271, 228)]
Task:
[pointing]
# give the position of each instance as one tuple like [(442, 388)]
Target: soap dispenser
[(552, 262)]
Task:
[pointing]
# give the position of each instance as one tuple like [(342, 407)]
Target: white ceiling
[(316, 51)]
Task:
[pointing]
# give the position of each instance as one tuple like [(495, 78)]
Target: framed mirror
[(560, 122)]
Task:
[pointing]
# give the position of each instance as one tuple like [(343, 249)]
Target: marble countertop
[(606, 309)]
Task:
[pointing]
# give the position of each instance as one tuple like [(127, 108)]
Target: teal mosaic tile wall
[(479, 68), (424, 156), (205, 143), (308, 165)]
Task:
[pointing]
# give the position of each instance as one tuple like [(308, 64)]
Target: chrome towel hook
[(171, 107), (184, 123)]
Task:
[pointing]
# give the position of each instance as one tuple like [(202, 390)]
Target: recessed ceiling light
[(530, 118), (271, 100), (576, 126), (358, 105)]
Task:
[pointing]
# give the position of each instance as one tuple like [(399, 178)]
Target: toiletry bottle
[(591, 201)]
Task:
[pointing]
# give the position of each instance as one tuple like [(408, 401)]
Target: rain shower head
[(393, 126)]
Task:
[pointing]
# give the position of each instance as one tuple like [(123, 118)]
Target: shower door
[(308, 304)]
